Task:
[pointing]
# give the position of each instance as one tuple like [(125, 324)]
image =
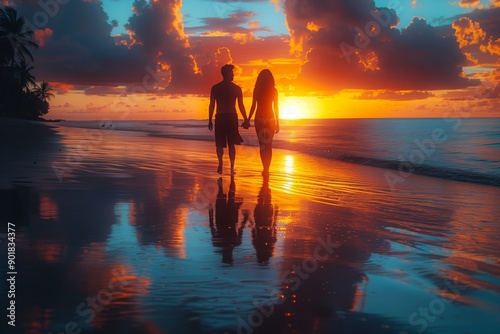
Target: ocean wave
[(445, 173), (441, 172)]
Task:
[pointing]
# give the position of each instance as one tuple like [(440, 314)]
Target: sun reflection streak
[(289, 161), (289, 171), (48, 208)]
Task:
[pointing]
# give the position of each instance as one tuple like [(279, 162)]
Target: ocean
[(460, 149)]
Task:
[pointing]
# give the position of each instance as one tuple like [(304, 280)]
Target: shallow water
[(133, 237), (469, 147)]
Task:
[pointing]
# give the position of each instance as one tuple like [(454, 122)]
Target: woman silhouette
[(264, 233), (265, 107)]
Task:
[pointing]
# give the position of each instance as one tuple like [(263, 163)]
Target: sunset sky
[(126, 59)]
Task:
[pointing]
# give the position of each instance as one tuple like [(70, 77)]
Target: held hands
[(245, 124), (210, 125)]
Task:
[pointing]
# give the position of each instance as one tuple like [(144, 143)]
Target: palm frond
[(13, 29)]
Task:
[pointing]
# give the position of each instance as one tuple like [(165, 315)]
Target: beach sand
[(120, 232)]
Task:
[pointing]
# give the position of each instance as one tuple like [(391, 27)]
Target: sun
[(292, 108)]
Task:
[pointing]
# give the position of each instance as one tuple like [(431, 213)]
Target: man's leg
[(232, 156), (220, 153)]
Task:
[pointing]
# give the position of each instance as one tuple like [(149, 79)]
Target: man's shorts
[(226, 130)]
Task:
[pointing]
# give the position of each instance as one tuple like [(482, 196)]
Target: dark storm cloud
[(158, 28), (79, 48), (79, 51), (394, 95), (353, 44), (104, 91)]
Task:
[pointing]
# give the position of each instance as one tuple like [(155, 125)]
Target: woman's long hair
[(264, 86)]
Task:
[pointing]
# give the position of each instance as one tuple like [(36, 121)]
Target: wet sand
[(118, 232)]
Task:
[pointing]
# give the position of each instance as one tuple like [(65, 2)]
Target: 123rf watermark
[(11, 274)]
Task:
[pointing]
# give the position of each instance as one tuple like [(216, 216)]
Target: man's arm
[(211, 109), (252, 108)]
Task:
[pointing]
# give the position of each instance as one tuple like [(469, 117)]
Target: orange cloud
[(42, 35), (370, 61), (471, 59), (254, 24), (241, 38), (493, 47), (495, 75), (490, 79), (311, 26), (222, 57), (468, 32), (469, 3), (395, 95), (244, 38), (61, 88), (270, 62), (276, 4), (177, 22), (495, 3), (214, 34)]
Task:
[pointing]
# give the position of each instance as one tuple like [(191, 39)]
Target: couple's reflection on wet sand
[(227, 231)]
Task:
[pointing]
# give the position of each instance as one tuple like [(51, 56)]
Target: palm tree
[(44, 91), (27, 79), (4, 53), (15, 37)]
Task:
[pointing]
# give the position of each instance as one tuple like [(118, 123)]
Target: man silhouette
[(226, 233), (225, 94)]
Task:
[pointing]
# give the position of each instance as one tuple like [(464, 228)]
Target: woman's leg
[(266, 157), (265, 136)]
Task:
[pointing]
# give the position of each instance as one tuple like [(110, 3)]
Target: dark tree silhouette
[(16, 38), (27, 79), (44, 91), (31, 106), (20, 96), (4, 54)]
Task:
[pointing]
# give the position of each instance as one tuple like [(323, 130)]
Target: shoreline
[(396, 170)]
